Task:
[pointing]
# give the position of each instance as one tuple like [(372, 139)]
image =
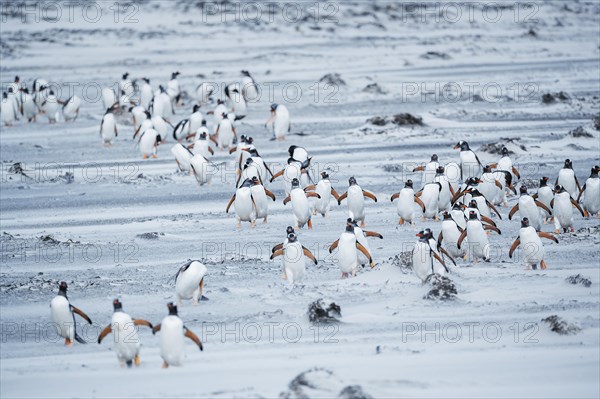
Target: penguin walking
[(279, 122), (429, 170), (544, 195), (126, 339), (458, 215), (465, 190), (506, 182), (490, 186), (71, 108), (202, 145), (289, 230), (356, 200), (347, 246), (202, 169), (28, 106), (301, 207), (219, 112), (452, 173), (293, 253), (8, 111), (225, 135), (475, 207), (196, 122), (108, 128), (245, 207), (63, 316), (528, 208), (183, 157), (326, 191), (126, 86), (446, 193), (161, 104), (161, 125), (261, 165), (40, 92), (470, 165), (51, 106), (237, 101), (148, 143), (173, 332), (251, 169), (484, 206), (109, 98), (293, 170), (189, 282), (144, 125), (591, 199), (430, 195), (529, 240), (173, 89), (299, 154), (406, 203), (426, 260), (567, 179), (449, 235), (361, 237), (138, 115), (477, 240), (181, 130), (506, 164), (249, 87), (146, 93), (259, 195), (562, 206)]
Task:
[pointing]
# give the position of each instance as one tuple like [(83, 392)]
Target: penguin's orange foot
[(436, 218), (68, 342), (423, 218), (572, 230), (489, 233), (253, 224), (557, 231), (362, 223), (137, 360), (401, 221), (238, 225), (154, 156), (309, 223), (284, 275), (165, 365), (145, 157), (543, 265)]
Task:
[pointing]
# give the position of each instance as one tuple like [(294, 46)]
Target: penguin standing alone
[(293, 254), (356, 200), (470, 165), (63, 316), (406, 203), (591, 200), (189, 282), (173, 332), (347, 246), (529, 240)]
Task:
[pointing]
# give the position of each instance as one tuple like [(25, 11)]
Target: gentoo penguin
[(181, 131), (591, 187), (183, 157), (70, 108), (464, 191), (446, 193), (289, 230), (144, 125), (429, 170), (528, 208), (245, 207), (477, 240), (260, 163), (293, 170), (457, 214), (109, 98), (449, 235), (63, 316), (259, 195), (356, 200), (148, 143), (251, 169), (161, 105), (161, 125), (146, 93), (126, 86), (8, 110), (50, 107), (452, 173), (124, 329), (361, 237), (173, 332), (484, 206), (347, 246), (16, 90), (13, 98), (279, 121), (545, 195), (225, 134), (219, 112), (40, 91), (490, 187), (406, 203), (203, 93), (249, 87), (325, 190), (529, 240), (506, 164), (429, 195), (202, 145), (505, 179), (237, 102), (567, 179), (426, 260), (189, 282), (28, 107), (562, 206), (202, 169), (196, 122), (293, 258), (138, 115), (470, 165), (299, 154), (173, 89), (240, 154), (300, 205), (108, 128), (474, 206)]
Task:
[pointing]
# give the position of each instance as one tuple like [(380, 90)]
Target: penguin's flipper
[(493, 165), (549, 236), (276, 175), (213, 138), (276, 253), (79, 339), (498, 184), (419, 168), (342, 197), (270, 194), (334, 245), (459, 194), (80, 313), (493, 208), (513, 211), (156, 329), (421, 204), (513, 247), (577, 182), (142, 322), (394, 197), (516, 172), (487, 220), (581, 191), (369, 195), (461, 238), (309, 254), (440, 238), (372, 234), (451, 189), (286, 200), (212, 152), (543, 206), (576, 205), (311, 187), (189, 334), (107, 330), (443, 251), (229, 204), (439, 259), (362, 249), (313, 194), (336, 195), (492, 228), (277, 247)]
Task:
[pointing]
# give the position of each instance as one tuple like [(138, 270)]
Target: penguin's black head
[(117, 305), (17, 79), (202, 136), (324, 175), (439, 170), (295, 183), (255, 180), (245, 73), (292, 149), (243, 138), (291, 237), (463, 145), (524, 222), (473, 204), (148, 116), (487, 169), (420, 234), (253, 152), (349, 228), (203, 122), (523, 190), (195, 108), (568, 164), (352, 181), (108, 111), (446, 215), (476, 193), (219, 102), (408, 184), (62, 288), (162, 89), (158, 139), (174, 75), (125, 75), (473, 181), (595, 171), (247, 183), (559, 189), (25, 90), (352, 222), (434, 158), (289, 230), (172, 309), (458, 206), (249, 161), (146, 80), (544, 181), (224, 115), (504, 151), (11, 90), (427, 233), (472, 215), (274, 107), (249, 140)]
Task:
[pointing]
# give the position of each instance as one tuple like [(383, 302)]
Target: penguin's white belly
[(147, 142), (566, 178), (195, 121), (488, 188), (324, 190), (591, 199), (182, 156), (261, 201), (108, 98), (172, 343), (202, 169), (563, 211), (292, 171), (201, 148), (29, 107), (243, 205), (528, 209), (300, 205), (505, 163), (429, 172), (8, 111), (483, 207), (450, 238), (293, 262), (545, 196), (422, 260), (248, 173), (477, 240), (71, 109), (360, 237), (429, 196), (108, 128), (406, 204), (347, 259), (126, 339), (452, 173), (161, 127), (51, 108), (188, 282), (225, 135), (445, 195), (62, 317), (469, 165), (146, 96), (281, 124), (531, 246), (500, 196), (356, 203), (459, 218)]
